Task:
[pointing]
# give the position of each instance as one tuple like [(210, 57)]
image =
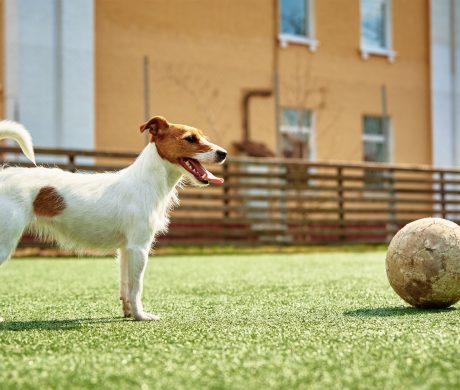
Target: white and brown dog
[(120, 211)]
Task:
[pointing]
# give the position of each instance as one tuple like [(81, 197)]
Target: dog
[(122, 211)]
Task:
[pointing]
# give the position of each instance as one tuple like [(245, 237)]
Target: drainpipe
[(276, 84), (265, 92), (246, 100)]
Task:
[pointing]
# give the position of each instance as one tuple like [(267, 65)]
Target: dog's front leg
[(123, 260), (136, 258)]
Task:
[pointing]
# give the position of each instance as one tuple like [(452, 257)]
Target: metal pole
[(386, 120), (146, 95), (276, 81)]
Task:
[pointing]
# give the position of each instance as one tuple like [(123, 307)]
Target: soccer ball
[(423, 263)]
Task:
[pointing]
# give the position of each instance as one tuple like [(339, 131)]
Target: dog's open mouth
[(200, 172)]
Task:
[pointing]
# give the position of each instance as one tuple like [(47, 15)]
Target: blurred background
[(355, 81), (352, 80)]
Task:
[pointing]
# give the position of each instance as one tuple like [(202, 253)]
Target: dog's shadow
[(395, 311), (56, 324)]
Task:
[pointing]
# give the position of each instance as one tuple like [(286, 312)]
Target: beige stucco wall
[(343, 87), (204, 54)]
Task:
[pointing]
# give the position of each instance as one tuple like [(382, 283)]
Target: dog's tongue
[(213, 179), (209, 176)]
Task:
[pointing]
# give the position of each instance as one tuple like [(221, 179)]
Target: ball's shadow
[(395, 311)]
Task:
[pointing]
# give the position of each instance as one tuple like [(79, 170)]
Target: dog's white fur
[(106, 211)]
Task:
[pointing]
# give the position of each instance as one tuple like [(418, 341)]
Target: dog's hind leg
[(13, 221)]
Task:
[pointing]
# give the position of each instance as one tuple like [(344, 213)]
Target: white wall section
[(445, 81), (49, 70)]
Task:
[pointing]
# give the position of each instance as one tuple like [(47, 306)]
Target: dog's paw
[(144, 316), (126, 308), (126, 311)]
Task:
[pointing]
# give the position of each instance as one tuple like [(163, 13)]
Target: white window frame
[(309, 39), (367, 51), (310, 131)]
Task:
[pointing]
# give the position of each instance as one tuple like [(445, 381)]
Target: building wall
[(204, 54), (343, 86), (445, 81), (49, 70), (2, 60)]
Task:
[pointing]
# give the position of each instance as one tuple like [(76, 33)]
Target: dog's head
[(187, 148)]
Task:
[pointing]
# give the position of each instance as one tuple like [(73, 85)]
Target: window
[(376, 148), (296, 23), (297, 134), (376, 28), (376, 139)]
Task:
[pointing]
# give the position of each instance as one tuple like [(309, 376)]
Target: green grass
[(327, 320)]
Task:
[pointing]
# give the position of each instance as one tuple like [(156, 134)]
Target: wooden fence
[(290, 202)]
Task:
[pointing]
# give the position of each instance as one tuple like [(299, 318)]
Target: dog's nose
[(221, 155)]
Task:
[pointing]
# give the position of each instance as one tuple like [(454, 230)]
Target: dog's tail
[(16, 131)]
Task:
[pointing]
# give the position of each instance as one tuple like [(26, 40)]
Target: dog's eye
[(191, 138)]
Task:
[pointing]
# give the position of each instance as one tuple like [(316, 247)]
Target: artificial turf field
[(288, 321)]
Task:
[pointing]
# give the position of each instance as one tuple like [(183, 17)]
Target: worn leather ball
[(423, 263)]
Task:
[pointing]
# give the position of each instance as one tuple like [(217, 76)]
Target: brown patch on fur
[(48, 202), (170, 139)]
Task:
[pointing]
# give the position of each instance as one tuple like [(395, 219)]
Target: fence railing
[(291, 202)]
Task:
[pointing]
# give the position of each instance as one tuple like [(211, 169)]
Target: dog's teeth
[(193, 170)]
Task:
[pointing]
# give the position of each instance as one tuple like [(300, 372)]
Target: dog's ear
[(154, 126)]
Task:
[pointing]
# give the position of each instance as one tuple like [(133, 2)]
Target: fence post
[(283, 204), (392, 226), (305, 216), (442, 192), (71, 158), (226, 190), (226, 200), (341, 204)]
